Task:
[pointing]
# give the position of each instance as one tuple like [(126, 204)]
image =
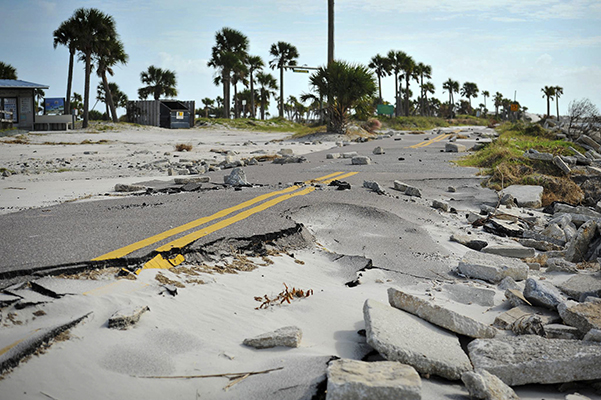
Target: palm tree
[(239, 73), (469, 90), (93, 29), (485, 94), (344, 85), (382, 68), (66, 35), (255, 63), (427, 87), (268, 87), (110, 54), (284, 54), (7, 71), (452, 87), (230, 48), (408, 67), (498, 99), (548, 92), (76, 103), (117, 97), (423, 71), (396, 60), (558, 93), (208, 103), (158, 82)]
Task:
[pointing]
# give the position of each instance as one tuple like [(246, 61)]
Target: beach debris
[(454, 148), (482, 384), (352, 379), (516, 298), (527, 196), (127, 317), (379, 150), (438, 315), (361, 160), (508, 318), (290, 160), (374, 186), (236, 178), (560, 331), (468, 294), (542, 293), (510, 250), (584, 316), (123, 187), (467, 241), (528, 325), (582, 285), (333, 156), (413, 191), (400, 186), (578, 246), (403, 337), (288, 336), (526, 359), (340, 185), (286, 295), (491, 267), (440, 205)]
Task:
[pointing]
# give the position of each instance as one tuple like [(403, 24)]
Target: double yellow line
[(429, 142), (159, 261)]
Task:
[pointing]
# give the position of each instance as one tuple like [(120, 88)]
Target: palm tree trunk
[(108, 98), (86, 98), (69, 82), (281, 92), (252, 97), (396, 95), (557, 105), (236, 112), (380, 87), (262, 104), (225, 78), (548, 106), (407, 95)]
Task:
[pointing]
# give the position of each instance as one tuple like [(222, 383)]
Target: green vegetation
[(426, 123), (504, 161), (272, 125)]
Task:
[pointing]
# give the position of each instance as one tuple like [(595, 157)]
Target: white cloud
[(545, 59), (183, 65)]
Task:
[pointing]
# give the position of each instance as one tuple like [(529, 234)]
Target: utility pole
[(330, 31)]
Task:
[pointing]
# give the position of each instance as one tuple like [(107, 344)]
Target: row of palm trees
[(550, 92)]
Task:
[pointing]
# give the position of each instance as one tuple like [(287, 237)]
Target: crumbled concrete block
[(469, 294), (584, 316), (594, 335), (484, 385), (542, 293), (413, 191), (516, 298), (508, 283), (578, 246), (455, 148), (492, 268), (528, 196), (289, 336), (126, 317), (561, 164), (125, 188), (236, 178), (515, 251), (379, 150), (333, 156), (438, 315), (375, 186), (507, 319), (581, 285), (560, 331), (400, 336), (361, 160), (350, 154), (468, 241), (398, 185), (440, 205), (351, 379), (532, 359)]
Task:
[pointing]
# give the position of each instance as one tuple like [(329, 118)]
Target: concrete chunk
[(379, 150), (333, 156), (578, 246), (584, 316), (288, 336), (468, 241), (125, 188), (469, 294), (127, 317), (532, 359), (528, 196), (361, 160), (413, 191), (515, 251), (560, 331), (454, 148), (236, 178), (507, 319), (438, 315), (542, 293), (440, 205), (492, 268), (398, 185), (484, 385), (561, 164), (400, 336), (351, 379), (581, 285)]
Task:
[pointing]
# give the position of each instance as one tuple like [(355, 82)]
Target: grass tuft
[(183, 147)]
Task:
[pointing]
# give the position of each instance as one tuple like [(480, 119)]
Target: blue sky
[(505, 46)]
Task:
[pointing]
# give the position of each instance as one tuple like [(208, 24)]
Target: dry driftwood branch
[(229, 375)]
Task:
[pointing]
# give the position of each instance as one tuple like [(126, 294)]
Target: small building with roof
[(17, 102)]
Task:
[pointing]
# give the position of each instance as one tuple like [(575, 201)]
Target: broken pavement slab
[(506, 319), (584, 316), (352, 379), (491, 267), (467, 294), (126, 317), (400, 336), (484, 385), (506, 250), (581, 285), (532, 359), (288, 336), (527, 196), (438, 315), (542, 293), (12, 354)]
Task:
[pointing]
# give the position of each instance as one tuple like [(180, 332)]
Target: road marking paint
[(10, 346), (159, 262), (184, 241), (340, 177), (123, 251), (429, 142)]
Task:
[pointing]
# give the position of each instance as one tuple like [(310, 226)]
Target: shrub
[(183, 147), (372, 125)]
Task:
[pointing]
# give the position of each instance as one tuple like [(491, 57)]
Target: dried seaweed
[(286, 295)]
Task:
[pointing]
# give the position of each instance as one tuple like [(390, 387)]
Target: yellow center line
[(193, 224), (184, 241), (427, 143), (340, 177)]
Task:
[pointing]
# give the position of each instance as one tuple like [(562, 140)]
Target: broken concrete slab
[(514, 251), (467, 241), (594, 335), (413, 191), (350, 154), (398, 185), (584, 316), (454, 148), (560, 265), (575, 210), (508, 318), (440, 205), (375, 186), (438, 315), (470, 294), (581, 285), (361, 160), (560, 331), (527, 196), (491, 267), (578, 246), (236, 178), (484, 385), (400, 336), (125, 188), (379, 150), (333, 156), (508, 283), (539, 245), (542, 293), (533, 359), (516, 298), (351, 379), (195, 179), (561, 164), (12, 354), (127, 317), (288, 336)]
